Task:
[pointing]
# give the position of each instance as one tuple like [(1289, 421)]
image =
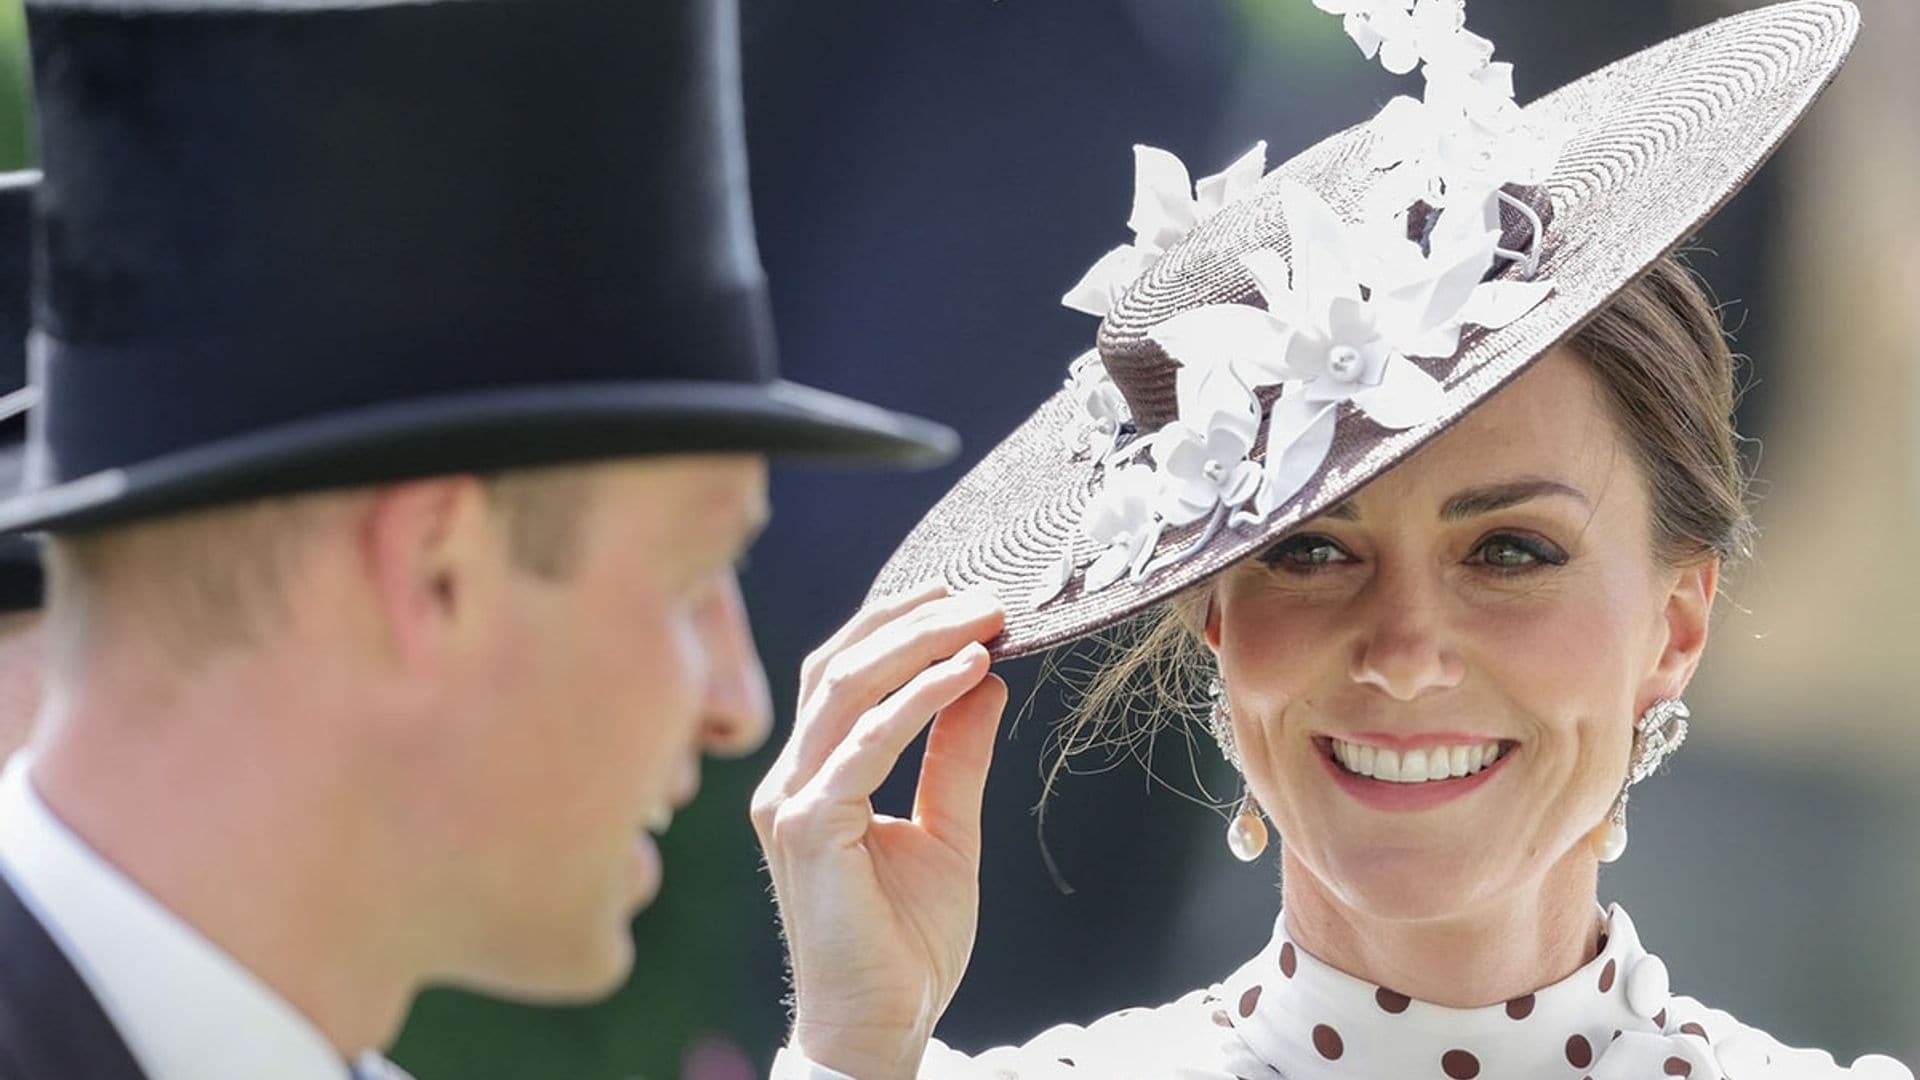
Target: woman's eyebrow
[(1481, 500), (1485, 500)]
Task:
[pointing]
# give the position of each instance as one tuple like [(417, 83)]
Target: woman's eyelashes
[(1305, 553), (1503, 554), (1510, 553)]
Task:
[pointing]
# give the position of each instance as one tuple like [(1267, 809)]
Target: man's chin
[(575, 973)]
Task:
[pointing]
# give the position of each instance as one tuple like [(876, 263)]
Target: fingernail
[(982, 596), (928, 589)]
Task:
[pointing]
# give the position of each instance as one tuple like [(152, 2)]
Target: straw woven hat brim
[(1657, 143)]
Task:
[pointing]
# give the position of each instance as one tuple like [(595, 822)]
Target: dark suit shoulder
[(51, 1028)]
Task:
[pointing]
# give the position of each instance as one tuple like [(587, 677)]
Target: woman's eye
[(1513, 553), (1304, 553)]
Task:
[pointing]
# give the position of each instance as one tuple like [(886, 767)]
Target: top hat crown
[(297, 245), (20, 580)]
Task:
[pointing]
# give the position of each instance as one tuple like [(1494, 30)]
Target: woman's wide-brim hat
[(294, 244), (1352, 304)]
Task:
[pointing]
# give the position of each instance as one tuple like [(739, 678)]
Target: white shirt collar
[(187, 1010)]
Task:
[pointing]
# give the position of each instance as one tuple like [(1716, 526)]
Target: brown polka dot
[(1068, 1062), (1677, 1067), (1249, 999), (1391, 1000), (1460, 1065), (1288, 960), (1603, 943), (1606, 976), (1579, 1052), (1691, 1028), (1327, 1041), (1660, 1019), (1520, 1008), (1221, 1018)]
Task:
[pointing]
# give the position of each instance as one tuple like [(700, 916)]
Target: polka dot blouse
[(1286, 1016)]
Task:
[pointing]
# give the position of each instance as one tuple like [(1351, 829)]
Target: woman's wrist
[(863, 1053)]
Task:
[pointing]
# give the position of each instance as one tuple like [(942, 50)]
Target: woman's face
[(1494, 596)]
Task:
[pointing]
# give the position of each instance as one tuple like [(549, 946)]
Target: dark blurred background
[(930, 175)]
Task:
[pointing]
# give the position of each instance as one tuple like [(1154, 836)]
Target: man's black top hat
[(20, 580), (291, 244)]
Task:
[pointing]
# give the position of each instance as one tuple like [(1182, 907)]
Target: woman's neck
[(1479, 956)]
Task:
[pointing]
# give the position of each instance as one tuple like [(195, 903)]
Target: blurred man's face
[(591, 703), (19, 678)]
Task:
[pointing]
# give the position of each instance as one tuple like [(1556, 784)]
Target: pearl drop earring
[(1246, 830), (1660, 731)]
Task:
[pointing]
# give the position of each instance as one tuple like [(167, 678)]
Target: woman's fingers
[(864, 622), (869, 670), (953, 772), (863, 759)]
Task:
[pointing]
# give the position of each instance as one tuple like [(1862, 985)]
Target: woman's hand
[(880, 912)]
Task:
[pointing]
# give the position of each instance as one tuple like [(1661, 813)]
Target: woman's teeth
[(1415, 766)]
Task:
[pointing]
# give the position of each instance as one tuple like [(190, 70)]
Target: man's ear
[(429, 551), (1685, 616)]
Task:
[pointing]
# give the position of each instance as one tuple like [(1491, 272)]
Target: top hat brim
[(21, 582), (488, 431), (1659, 141)]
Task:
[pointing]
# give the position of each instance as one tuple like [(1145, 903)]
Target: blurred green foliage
[(16, 122), (1294, 33)]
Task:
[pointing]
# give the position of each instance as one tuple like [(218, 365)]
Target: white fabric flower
[(1439, 33), (1202, 456), (1166, 207), (1372, 25), (1100, 401), (1123, 519), (1344, 322), (1354, 343), (1403, 34), (1462, 141)]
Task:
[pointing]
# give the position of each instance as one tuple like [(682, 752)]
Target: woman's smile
[(1401, 773)]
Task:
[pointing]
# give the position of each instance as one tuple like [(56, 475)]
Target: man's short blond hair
[(214, 578)]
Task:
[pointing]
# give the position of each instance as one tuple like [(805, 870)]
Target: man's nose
[(739, 708)]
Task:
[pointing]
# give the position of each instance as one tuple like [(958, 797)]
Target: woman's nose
[(1404, 649)]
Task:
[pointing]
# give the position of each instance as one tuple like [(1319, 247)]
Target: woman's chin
[(1407, 884)]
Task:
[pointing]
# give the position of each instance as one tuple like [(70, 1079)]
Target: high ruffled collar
[(1302, 1019)]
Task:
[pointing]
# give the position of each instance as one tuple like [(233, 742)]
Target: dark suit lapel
[(51, 1028)]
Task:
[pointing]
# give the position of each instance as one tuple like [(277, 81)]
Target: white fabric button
[(1880, 1067), (1648, 987), (1343, 363)]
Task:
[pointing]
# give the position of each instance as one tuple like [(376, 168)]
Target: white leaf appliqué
[(1121, 518), (1166, 207)]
